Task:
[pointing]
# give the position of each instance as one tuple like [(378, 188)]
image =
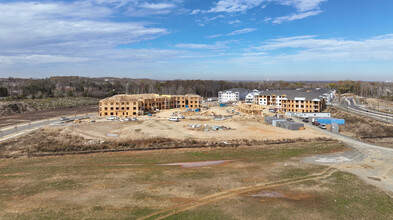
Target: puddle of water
[(269, 194), (332, 160), (197, 164), (112, 135)]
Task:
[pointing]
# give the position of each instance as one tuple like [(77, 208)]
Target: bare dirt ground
[(44, 114), (180, 130), (241, 127)]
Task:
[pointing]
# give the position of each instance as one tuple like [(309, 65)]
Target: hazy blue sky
[(198, 39)]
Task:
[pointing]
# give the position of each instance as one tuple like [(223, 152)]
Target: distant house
[(233, 95), (250, 96), (64, 87)]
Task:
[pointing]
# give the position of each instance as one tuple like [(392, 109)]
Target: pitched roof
[(307, 94), (240, 90)]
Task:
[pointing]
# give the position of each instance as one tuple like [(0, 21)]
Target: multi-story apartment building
[(233, 95), (250, 96), (134, 105), (300, 100)]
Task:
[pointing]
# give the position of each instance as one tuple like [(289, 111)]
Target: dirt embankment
[(365, 129), (11, 108), (60, 141), (29, 105)]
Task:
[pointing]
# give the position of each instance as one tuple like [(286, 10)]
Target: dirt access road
[(373, 164)]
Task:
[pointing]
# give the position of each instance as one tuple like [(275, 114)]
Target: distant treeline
[(16, 88)]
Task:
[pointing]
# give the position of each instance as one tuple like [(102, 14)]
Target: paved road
[(12, 131), (348, 104)]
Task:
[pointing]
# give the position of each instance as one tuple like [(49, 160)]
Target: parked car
[(111, 118), (64, 119), (322, 126), (181, 117), (290, 119), (316, 123), (174, 119), (306, 120), (134, 119)]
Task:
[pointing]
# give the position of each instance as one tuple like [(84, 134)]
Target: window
[(111, 108)]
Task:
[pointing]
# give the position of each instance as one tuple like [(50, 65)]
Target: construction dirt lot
[(250, 171)]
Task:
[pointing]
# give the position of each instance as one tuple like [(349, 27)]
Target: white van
[(111, 118), (174, 119)]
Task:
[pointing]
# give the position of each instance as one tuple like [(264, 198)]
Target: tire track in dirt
[(237, 191)]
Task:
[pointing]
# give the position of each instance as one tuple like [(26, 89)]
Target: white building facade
[(232, 95), (250, 97)]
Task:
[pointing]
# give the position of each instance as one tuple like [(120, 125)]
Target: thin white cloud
[(231, 6), (242, 31), (157, 6), (63, 32), (302, 5), (295, 16), (216, 46), (236, 32), (234, 22), (235, 5), (253, 54), (304, 8), (311, 48), (142, 8), (214, 36)]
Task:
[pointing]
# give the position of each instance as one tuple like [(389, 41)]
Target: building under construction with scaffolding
[(252, 109), (141, 104)]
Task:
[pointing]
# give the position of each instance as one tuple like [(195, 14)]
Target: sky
[(198, 39)]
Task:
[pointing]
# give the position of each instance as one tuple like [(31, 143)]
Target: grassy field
[(132, 185)]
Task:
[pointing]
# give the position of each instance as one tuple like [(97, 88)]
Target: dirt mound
[(10, 108)]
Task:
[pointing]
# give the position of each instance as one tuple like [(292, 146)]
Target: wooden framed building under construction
[(252, 109), (139, 104)]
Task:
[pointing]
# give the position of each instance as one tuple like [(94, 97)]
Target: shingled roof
[(306, 94), (240, 90)]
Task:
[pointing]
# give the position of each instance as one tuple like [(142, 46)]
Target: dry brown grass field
[(264, 182)]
